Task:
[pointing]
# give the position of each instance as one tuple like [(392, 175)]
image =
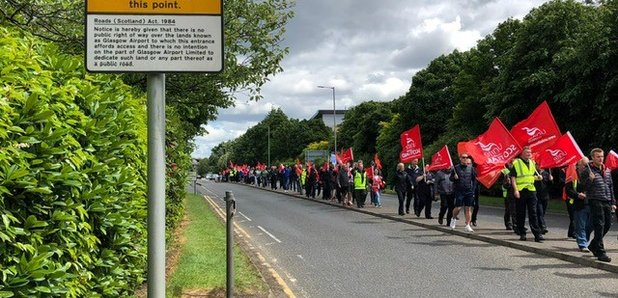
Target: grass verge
[(200, 267)]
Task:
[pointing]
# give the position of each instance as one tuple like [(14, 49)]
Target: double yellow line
[(243, 233)]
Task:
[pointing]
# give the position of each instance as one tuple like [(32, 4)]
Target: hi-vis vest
[(505, 190), (360, 180), (525, 174)]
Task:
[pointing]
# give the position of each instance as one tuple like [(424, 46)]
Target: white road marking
[(243, 215), (269, 234), (300, 257)]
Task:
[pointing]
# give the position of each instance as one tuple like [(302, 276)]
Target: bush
[(72, 176)]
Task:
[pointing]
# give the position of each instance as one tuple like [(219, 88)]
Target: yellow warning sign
[(210, 7)]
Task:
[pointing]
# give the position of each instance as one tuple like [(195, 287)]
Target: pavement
[(491, 229)]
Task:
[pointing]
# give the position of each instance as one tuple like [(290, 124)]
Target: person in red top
[(376, 187)]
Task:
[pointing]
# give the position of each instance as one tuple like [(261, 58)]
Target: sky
[(366, 49)]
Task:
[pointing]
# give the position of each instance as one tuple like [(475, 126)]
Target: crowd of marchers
[(588, 192)]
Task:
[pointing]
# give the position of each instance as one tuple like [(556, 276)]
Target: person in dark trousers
[(401, 186), (509, 201), (312, 177), (444, 187), (424, 194), (413, 171), (542, 194), (360, 184), (524, 174), (599, 192), (326, 176), (343, 184)]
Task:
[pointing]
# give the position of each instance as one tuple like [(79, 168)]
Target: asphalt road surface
[(324, 251)]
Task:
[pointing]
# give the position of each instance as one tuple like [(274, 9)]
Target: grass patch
[(201, 260)]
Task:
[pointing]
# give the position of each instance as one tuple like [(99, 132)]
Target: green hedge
[(72, 176)]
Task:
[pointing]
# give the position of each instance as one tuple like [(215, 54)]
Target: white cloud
[(367, 50)]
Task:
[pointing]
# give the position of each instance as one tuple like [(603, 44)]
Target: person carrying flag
[(576, 193), (599, 192)]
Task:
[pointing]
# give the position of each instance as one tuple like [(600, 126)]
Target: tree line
[(564, 52)]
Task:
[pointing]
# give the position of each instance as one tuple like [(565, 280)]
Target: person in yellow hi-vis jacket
[(524, 174)]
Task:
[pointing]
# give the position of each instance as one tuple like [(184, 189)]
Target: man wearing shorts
[(464, 184)]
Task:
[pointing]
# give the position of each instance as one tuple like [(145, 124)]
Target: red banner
[(441, 160), (539, 130), (377, 161), (488, 173), (495, 146), (611, 161), (563, 152), (411, 146), (345, 156)]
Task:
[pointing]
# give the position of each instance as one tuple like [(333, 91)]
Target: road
[(324, 251)]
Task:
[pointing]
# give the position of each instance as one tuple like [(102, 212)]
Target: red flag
[(491, 151), (488, 173), (346, 155), (570, 173), (411, 146), (462, 147), (377, 161), (441, 160), (563, 152), (539, 130), (369, 172), (495, 146), (611, 161)]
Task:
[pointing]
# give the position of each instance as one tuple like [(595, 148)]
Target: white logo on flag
[(534, 131)]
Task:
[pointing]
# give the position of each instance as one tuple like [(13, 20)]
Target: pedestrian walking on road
[(444, 187), (377, 185), (413, 171), (464, 184), (542, 193), (599, 192), (576, 193), (401, 186), (524, 173), (360, 184)]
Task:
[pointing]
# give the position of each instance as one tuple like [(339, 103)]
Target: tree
[(202, 167), (360, 127), (430, 100), (253, 51)]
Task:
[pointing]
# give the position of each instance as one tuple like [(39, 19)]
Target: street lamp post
[(334, 114)]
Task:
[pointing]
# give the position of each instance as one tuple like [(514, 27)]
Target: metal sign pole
[(156, 185)]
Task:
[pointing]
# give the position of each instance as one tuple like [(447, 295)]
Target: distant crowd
[(588, 192)]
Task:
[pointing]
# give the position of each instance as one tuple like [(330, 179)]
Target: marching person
[(402, 182), (581, 208), (464, 184), (444, 187), (360, 184), (599, 192), (424, 194), (376, 187), (542, 194), (509, 200), (413, 171), (524, 175), (343, 184)]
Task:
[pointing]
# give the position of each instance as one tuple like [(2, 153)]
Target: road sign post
[(155, 36)]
